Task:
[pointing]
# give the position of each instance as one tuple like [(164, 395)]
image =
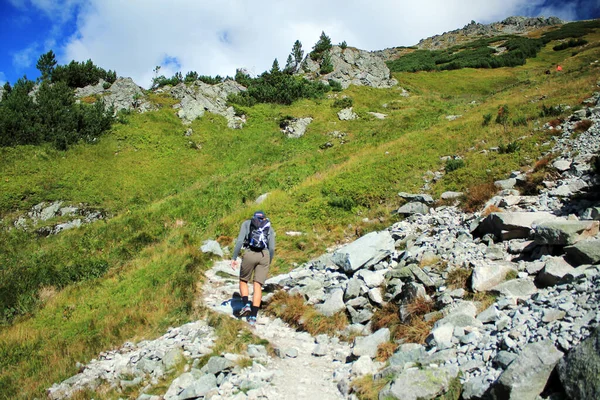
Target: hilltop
[(101, 231)]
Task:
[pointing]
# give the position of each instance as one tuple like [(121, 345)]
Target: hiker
[(258, 239)]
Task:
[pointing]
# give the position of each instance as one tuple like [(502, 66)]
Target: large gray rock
[(191, 385), (212, 246), (200, 97), (125, 94), (347, 114), (579, 370), (352, 67), (419, 198), (367, 345), (91, 90), (519, 288), (216, 364), (526, 376), (364, 252), (512, 225), (419, 384), (565, 233), (584, 252), (333, 304), (296, 128), (488, 274), (554, 270), (413, 208)]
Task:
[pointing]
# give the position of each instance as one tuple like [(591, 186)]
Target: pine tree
[(46, 64), (297, 52), (290, 65), (322, 45), (275, 68)]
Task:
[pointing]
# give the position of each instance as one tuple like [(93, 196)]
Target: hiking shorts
[(256, 262)]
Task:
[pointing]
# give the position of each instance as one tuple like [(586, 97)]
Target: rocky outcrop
[(296, 127), (125, 94), (199, 97), (1, 93), (474, 30), (53, 218), (351, 67)]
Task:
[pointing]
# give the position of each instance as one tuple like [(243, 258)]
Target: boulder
[(488, 274), (333, 304), (347, 114), (364, 252), (584, 252), (419, 384), (212, 246), (452, 195), (506, 183), (419, 198), (579, 370), (565, 233), (296, 128), (511, 225), (527, 375), (554, 270), (367, 345), (372, 279), (520, 288), (413, 208), (125, 94)]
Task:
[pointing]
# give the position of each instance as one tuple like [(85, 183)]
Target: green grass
[(67, 297)]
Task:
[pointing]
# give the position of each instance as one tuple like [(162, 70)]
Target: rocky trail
[(305, 366), (536, 258)]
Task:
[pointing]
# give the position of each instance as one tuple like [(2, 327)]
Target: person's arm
[(272, 244), (244, 230)]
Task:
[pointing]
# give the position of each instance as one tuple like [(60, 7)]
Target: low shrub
[(570, 43), (478, 195), (344, 102), (551, 111), (511, 147), (520, 121), (453, 164), (335, 86), (486, 119)]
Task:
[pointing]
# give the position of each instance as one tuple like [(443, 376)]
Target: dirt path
[(301, 376)]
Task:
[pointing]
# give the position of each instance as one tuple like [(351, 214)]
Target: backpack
[(258, 238)]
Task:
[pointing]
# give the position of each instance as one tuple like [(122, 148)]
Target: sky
[(133, 37)]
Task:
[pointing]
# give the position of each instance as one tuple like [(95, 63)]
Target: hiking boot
[(246, 310), (251, 320)]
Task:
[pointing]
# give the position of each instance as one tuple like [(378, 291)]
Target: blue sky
[(210, 37)]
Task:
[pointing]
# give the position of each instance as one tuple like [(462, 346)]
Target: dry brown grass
[(490, 209), (555, 122), (419, 307), (386, 350), (295, 312), (483, 299), (416, 331), (366, 388), (89, 99), (583, 126), (478, 195), (386, 316), (458, 278)]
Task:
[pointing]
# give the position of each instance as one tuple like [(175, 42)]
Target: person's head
[(260, 215)]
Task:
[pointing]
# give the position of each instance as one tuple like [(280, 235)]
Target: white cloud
[(134, 36), (2, 78), (26, 58)]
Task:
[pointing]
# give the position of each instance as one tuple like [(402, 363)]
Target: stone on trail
[(527, 375), (579, 370), (367, 345), (488, 274), (565, 233), (520, 288), (554, 270), (512, 225), (419, 384), (333, 304), (413, 208), (364, 252), (419, 198), (212, 246), (584, 252)]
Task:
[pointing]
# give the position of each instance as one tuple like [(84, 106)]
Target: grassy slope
[(149, 177)]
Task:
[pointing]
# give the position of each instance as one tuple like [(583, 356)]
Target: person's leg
[(260, 276), (257, 296), (244, 290)]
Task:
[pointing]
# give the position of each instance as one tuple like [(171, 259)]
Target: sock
[(245, 300), (254, 311)]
